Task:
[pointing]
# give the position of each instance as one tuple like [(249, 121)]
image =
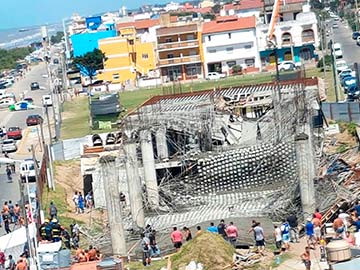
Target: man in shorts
[(306, 258), (145, 246), (176, 238), (309, 229), (285, 230), (259, 238)]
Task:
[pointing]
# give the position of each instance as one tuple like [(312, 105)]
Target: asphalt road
[(10, 191), (351, 52)]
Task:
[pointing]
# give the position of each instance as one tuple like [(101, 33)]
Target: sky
[(22, 13)]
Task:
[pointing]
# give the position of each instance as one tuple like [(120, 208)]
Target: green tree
[(57, 37), (90, 62), (216, 9), (8, 58)]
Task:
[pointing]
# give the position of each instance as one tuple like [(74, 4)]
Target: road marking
[(24, 138)]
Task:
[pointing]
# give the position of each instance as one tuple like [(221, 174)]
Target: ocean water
[(12, 38)]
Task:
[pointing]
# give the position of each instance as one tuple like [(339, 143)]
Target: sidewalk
[(295, 263)]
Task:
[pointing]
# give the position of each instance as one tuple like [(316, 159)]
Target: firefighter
[(66, 237), (56, 230), (42, 230)]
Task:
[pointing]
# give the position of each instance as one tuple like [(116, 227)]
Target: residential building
[(179, 50), (288, 9), (296, 39), (87, 40), (230, 41), (146, 29), (127, 58), (243, 8)]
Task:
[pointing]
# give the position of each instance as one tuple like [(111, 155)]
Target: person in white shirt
[(357, 239), (278, 237), (75, 199), (345, 218)]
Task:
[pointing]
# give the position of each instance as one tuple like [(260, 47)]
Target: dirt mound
[(209, 249)]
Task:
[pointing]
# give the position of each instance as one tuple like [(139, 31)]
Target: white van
[(46, 100), (27, 167), (341, 65)]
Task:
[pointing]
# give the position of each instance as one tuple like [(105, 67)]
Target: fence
[(345, 111)]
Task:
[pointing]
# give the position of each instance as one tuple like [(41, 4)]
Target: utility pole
[(38, 193), (334, 70), (356, 15), (48, 122)]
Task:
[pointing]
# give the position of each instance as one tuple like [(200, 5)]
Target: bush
[(236, 69), (327, 61)]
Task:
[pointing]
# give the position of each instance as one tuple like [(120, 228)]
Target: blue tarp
[(354, 264)]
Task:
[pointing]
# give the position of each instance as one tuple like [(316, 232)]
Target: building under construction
[(194, 157)]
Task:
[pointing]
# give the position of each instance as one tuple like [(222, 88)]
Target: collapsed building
[(233, 152)]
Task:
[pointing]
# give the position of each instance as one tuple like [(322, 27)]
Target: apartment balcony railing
[(179, 60), (308, 39), (177, 44)]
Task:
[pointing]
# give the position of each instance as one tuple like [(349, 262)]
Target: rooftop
[(245, 4), (229, 23)]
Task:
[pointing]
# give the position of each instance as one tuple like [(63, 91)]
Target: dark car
[(33, 120), (29, 100), (34, 86), (355, 35), (56, 61)]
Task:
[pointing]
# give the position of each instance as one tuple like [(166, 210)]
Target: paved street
[(351, 51), (10, 191)]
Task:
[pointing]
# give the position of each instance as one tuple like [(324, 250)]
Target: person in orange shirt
[(6, 208), (21, 265), (17, 212)]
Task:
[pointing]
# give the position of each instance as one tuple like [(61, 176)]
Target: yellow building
[(127, 58)]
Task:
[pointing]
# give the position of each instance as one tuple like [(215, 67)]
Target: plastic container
[(338, 251)]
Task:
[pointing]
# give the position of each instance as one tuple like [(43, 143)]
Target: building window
[(250, 62), (170, 55), (193, 52), (248, 47), (212, 51), (167, 40), (190, 37), (286, 38), (131, 41), (229, 34), (307, 35), (231, 63), (145, 56), (116, 76), (229, 50), (209, 38)]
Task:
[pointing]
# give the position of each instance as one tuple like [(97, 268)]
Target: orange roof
[(198, 10), (229, 23), (143, 24), (245, 4)]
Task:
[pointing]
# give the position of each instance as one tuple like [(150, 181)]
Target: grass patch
[(76, 121), (155, 265), (59, 199), (283, 258)]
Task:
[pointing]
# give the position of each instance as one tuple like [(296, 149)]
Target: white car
[(337, 50), (341, 65), (345, 71), (6, 102), (46, 100), (288, 65), (8, 145), (215, 76), (21, 106)]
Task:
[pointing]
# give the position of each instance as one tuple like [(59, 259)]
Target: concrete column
[(305, 164), (149, 168), (111, 187), (161, 143), (134, 184)]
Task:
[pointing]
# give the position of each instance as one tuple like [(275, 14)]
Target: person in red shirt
[(232, 233), (176, 238), (317, 214), (2, 260)]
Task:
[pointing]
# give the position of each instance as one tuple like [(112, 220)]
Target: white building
[(296, 39), (230, 41)]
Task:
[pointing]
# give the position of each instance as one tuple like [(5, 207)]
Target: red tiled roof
[(140, 24), (199, 10), (245, 4), (228, 23)]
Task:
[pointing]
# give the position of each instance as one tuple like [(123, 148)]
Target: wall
[(87, 42), (345, 111)]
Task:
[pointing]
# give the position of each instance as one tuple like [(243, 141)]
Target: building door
[(214, 67)]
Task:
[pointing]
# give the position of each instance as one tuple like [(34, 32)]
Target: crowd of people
[(10, 264), (90, 254), (81, 203), (11, 216)]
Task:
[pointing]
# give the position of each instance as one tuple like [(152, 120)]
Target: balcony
[(178, 45), (179, 60)]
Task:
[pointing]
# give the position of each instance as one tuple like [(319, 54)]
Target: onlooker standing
[(187, 234), (75, 199), (278, 237), (232, 233), (317, 228), (6, 219), (259, 238), (222, 228), (52, 210), (154, 249), (17, 212), (345, 218), (309, 229), (198, 230), (317, 214), (212, 228), (2, 259), (145, 245), (293, 223), (11, 264), (338, 226), (11, 212), (81, 203), (176, 238), (306, 258), (8, 173), (285, 230), (89, 200)]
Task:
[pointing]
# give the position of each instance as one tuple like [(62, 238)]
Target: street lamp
[(34, 257)]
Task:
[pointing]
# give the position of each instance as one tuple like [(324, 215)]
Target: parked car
[(355, 35), (337, 50), (46, 100), (33, 120), (14, 133), (21, 106), (8, 145), (288, 66), (345, 72), (341, 65), (27, 168), (34, 86), (6, 102), (215, 76), (349, 83), (29, 100), (353, 93)]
